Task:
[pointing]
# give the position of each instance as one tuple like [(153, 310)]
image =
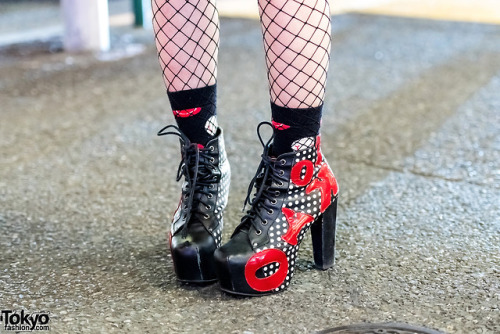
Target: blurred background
[(31, 20)]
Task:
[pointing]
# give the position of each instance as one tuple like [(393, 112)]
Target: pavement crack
[(419, 173)]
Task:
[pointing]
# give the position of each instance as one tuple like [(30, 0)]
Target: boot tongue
[(272, 156)]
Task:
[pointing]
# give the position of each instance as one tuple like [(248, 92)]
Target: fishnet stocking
[(297, 45), (187, 39)]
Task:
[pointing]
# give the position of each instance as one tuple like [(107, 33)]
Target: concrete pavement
[(411, 128)]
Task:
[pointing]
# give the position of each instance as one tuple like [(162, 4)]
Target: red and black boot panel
[(196, 229), (293, 192)]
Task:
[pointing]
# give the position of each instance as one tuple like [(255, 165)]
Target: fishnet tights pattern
[(187, 39), (297, 45)]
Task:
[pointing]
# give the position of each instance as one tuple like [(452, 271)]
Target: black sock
[(294, 129), (195, 112)]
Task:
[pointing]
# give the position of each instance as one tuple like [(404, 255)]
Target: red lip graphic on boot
[(261, 259), (296, 221), (186, 112), (280, 126), (327, 185)]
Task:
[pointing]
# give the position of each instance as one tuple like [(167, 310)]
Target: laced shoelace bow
[(198, 176), (267, 174)]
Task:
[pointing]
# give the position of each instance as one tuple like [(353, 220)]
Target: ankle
[(294, 129), (195, 113)]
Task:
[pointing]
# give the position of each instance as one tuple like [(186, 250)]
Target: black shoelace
[(198, 169), (267, 176)]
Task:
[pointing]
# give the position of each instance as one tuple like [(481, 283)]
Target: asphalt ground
[(411, 129)]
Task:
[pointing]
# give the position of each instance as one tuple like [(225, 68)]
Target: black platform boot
[(294, 191), (197, 224)]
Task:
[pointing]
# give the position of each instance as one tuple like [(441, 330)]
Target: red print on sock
[(326, 183), (186, 112), (280, 126), (296, 221)]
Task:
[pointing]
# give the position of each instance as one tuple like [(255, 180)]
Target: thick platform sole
[(194, 263), (197, 282), (194, 270)]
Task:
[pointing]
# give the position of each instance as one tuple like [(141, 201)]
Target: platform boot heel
[(196, 230), (292, 192), (323, 238)]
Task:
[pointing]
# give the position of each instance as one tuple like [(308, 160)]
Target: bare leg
[(297, 45), (187, 39)]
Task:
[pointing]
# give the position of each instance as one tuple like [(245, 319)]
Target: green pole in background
[(138, 13), (142, 13)]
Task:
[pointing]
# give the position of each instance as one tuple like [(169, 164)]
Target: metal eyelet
[(281, 173), (277, 193), (210, 196), (208, 207), (274, 201), (258, 232), (211, 148), (206, 216), (212, 186), (280, 183), (271, 211), (264, 222), (283, 162), (212, 159)]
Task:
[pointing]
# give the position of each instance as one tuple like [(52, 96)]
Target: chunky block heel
[(323, 237)]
